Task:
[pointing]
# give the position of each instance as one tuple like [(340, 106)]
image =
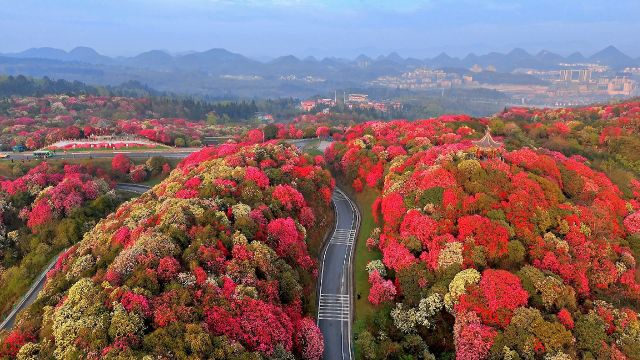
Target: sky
[(266, 29)]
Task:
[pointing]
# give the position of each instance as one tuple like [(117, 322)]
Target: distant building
[(264, 117), (632, 70), (307, 105), (579, 76), (357, 98), (621, 86), (327, 102), (476, 68), (487, 147)]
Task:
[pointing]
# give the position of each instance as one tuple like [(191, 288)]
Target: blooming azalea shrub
[(125, 170), (121, 164), (594, 131), (483, 254), (13, 342), (215, 261), (41, 213)]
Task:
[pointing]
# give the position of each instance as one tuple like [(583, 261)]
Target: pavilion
[(487, 147)]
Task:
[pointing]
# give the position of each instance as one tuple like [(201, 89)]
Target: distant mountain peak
[(155, 52), (83, 50), (518, 52), (576, 57), (613, 57), (610, 51), (44, 53), (287, 59), (443, 56), (394, 56)]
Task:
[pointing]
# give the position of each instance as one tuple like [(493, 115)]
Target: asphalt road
[(335, 303), (32, 294), (174, 153), (134, 188), (335, 288)]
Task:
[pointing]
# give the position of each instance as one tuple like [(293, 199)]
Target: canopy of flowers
[(524, 254), (212, 262)]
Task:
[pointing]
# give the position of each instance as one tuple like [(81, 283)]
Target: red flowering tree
[(381, 290), (121, 164), (13, 342), (309, 340)]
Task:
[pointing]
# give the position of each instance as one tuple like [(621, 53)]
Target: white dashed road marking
[(334, 307)]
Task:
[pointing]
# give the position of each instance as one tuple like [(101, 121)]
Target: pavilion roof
[(487, 142)]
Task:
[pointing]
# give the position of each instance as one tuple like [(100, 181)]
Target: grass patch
[(153, 181), (365, 312), (363, 309)]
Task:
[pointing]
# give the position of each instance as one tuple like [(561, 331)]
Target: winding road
[(335, 288), (32, 294)]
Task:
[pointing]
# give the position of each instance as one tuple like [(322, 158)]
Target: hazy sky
[(269, 28)]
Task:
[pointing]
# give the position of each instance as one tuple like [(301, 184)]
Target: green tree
[(212, 118), (270, 132), (179, 142), (590, 332)]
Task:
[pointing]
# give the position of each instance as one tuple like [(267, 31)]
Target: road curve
[(32, 294), (134, 188), (335, 288)]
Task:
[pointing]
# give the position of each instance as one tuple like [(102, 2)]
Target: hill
[(216, 261), (511, 254)]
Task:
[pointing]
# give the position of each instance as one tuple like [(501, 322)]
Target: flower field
[(41, 213), (212, 262), (522, 254), (36, 122), (524, 248)]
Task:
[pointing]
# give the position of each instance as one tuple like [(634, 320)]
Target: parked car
[(19, 148)]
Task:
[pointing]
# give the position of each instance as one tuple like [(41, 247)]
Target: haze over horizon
[(321, 28)]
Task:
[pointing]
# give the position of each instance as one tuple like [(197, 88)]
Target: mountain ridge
[(515, 58)]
